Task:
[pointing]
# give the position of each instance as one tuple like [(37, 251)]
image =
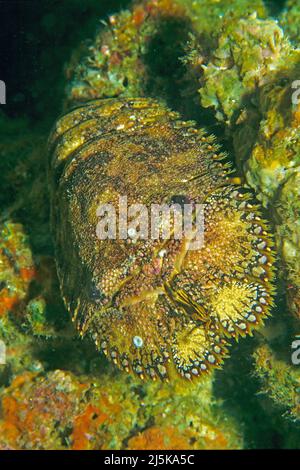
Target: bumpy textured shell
[(153, 306)]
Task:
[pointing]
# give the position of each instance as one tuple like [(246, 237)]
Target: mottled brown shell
[(153, 306)]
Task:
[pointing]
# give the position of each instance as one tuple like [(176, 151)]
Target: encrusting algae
[(250, 82), (92, 416)]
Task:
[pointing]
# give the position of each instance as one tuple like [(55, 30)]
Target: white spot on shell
[(162, 253), (211, 359), (252, 318), (257, 230), (132, 232), (138, 341), (262, 245)]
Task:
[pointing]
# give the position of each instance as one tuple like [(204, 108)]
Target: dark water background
[(36, 40)]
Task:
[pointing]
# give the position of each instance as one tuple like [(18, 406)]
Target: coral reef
[(17, 267), (289, 20), (208, 16), (59, 410), (280, 381), (120, 62), (249, 82), (254, 400)]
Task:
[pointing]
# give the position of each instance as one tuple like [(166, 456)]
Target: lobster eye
[(95, 294), (179, 199)]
